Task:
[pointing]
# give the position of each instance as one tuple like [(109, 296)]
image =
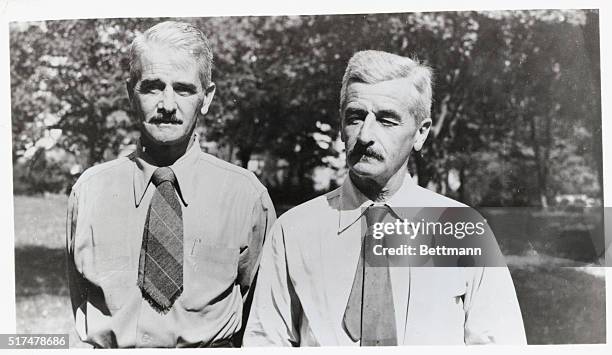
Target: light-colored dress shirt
[(308, 267), (227, 214)]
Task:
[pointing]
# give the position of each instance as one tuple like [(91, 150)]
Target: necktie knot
[(375, 214), (163, 174)]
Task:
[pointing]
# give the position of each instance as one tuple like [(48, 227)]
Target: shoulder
[(428, 198), (101, 174), (228, 172), (311, 212)]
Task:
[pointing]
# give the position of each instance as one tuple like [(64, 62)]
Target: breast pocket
[(452, 281), (209, 275), (448, 286), (456, 292)]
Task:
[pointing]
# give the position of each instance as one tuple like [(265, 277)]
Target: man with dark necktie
[(163, 245), (318, 284)]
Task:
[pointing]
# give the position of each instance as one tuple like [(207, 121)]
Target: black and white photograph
[(247, 181)]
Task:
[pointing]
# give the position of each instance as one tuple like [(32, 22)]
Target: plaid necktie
[(370, 313), (160, 273)]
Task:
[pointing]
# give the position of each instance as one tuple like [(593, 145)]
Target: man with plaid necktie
[(163, 245), (318, 284)]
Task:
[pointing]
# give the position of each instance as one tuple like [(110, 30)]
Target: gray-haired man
[(312, 287), (162, 245)]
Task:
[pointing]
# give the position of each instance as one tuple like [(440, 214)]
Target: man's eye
[(184, 92), (150, 89), (387, 122), (352, 119)]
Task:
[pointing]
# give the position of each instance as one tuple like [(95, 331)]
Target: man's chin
[(165, 138), (364, 170)]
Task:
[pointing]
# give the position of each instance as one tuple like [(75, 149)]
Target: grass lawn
[(42, 300), (40, 221), (47, 314), (559, 305)]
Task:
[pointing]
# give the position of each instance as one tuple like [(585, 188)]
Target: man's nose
[(168, 102), (366, 133)]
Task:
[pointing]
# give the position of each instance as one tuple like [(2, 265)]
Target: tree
[(516, 98)]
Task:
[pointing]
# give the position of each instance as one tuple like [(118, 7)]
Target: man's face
[(379, 129), (169, 95)]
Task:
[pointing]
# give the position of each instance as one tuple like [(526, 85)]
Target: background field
[(559, 305)]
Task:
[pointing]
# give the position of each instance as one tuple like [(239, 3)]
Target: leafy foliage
[(516, 113)]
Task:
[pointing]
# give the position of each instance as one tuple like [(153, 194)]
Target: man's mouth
[(369, 157), (165, 120), (365, 154)]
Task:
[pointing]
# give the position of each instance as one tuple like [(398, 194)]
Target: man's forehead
[(396, 91), (392, 85), (156, 57)]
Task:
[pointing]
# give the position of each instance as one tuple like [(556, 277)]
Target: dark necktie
[(160, 273), (370, 313)]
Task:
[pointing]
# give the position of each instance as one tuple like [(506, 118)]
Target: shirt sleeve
[(76, 283), (276, 310), (492, 312), (263, 217)]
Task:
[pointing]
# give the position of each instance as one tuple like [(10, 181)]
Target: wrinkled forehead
[(397, 94), (159, 57)]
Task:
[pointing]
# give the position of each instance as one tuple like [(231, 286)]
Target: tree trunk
[(539, 162), (591, 36), (244, 155), (462, 184)]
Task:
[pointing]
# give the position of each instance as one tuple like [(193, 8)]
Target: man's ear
[(209, 93), (421, 134)]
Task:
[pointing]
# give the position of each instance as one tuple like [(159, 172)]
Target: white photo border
[(35, 10)]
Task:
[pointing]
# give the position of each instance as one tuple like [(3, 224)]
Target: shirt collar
[(353, 202), (182, 168)]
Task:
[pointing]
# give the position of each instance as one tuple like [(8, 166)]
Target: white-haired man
[(162, 245), (313, 288)]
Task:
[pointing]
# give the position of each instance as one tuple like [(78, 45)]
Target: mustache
[(360, 150), (169, 118)]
